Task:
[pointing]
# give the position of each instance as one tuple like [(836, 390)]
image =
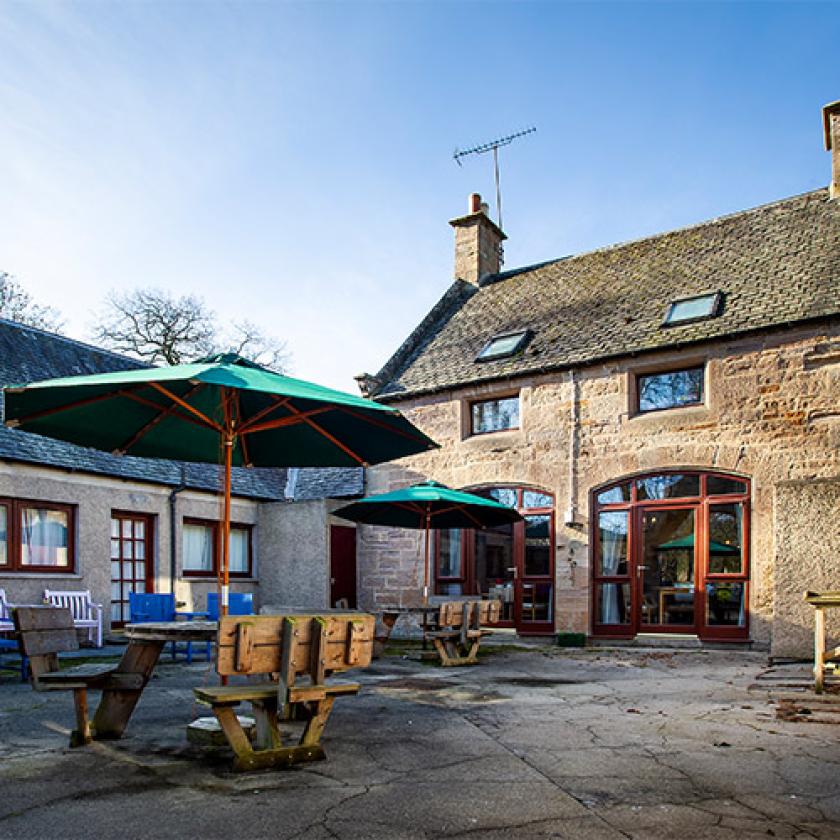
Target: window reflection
[(615, 495), (670, 390), (538, 545), (668, 486), (613, 603), (725, 604), (613, 538), (725, 527), (534, 499)]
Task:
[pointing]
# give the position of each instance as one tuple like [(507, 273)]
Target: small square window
[(673, 389), (503, 345), (693, 309), (494, 415)]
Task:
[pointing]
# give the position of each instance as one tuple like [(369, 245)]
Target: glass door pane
[(495, 567), (612, 596), (537, 585), (667, 569)]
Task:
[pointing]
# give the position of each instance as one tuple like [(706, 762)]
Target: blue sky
[(292, 162)]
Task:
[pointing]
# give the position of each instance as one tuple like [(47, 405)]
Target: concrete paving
[(532, 743)]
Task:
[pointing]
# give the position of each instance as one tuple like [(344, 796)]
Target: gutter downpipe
[(173, 554)]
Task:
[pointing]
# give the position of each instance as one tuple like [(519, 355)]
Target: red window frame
[(496, 399), (702, 503), (637, 407), (216, 527), (14, 547)]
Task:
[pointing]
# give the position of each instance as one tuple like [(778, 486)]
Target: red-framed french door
[(512, 563), (672, 565), (132, 562)]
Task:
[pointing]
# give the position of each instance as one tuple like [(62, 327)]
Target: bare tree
[(247, 339), (155, 326), (16, 304)]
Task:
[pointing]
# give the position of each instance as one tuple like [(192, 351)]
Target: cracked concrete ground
[(540, 743)]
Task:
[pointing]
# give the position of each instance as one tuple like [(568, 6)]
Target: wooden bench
[(86, 614), (43, 633), (282, 648), (459, 628)]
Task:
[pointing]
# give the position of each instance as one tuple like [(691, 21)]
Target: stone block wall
[(771, 414)]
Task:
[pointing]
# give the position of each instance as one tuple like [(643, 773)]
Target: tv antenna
[(493, 146)]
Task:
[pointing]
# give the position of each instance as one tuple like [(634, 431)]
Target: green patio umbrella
[(688, 542), (221, 409), (425, 506)]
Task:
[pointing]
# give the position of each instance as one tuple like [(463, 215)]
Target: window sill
[(50, 575), (671, 416)]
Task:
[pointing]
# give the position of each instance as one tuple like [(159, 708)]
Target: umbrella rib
[(66, 407), (176, 399), (277, 403), (243, 442), (157, 407), (374, 422), (284, 421), (332, 438), (172, 409)]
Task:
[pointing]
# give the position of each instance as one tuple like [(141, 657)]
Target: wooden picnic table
[(145, 643), (822, 601)]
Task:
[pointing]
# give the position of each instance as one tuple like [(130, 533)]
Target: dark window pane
[(449, 554), (494, 566), (717, 485), (612, 527), (725, 604), (495, 415), (725, 528), (668, 486), (537, 545), (670, 390), (615, 495), (612, 603), (536, 601), (533, 499)]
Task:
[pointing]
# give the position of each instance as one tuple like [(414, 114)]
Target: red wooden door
[(132, 564), (343, 565)]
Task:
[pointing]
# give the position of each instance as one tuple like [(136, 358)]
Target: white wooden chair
[(86, 614), (6, 623)]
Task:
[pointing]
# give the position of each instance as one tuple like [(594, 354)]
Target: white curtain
[(4, 552), (613, 549), (198, 548), (43, 539), (239, 550)]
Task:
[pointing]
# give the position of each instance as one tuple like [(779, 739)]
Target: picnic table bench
[(459, 627), (43, 633), (281, 648), (822, 601)]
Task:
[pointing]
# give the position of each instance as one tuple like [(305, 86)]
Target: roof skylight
[(693, 309), (501, 346)]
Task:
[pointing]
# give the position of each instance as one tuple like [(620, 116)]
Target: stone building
[(665, 413), (73, 518)]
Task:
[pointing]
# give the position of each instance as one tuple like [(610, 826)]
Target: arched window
[(512, 563), (671, 555)]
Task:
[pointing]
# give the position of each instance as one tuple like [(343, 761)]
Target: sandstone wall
[(807, 555), (771, 414)]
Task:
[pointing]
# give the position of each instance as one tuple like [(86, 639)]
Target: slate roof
[(28, 354), (776, 265)]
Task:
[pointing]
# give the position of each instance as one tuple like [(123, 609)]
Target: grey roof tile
[(28, 354), (776, 265)]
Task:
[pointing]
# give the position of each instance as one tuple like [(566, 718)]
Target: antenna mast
[(493, 146)]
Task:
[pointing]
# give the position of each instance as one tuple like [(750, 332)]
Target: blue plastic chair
[(239, 603), (148, 606)]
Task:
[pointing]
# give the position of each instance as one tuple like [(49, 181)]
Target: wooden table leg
[(819, 649), (117, 704)]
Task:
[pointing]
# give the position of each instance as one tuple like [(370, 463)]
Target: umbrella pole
[(426, 569), (226, 528)]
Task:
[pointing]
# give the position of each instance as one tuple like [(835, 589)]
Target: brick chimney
[(831, 124), (478, 242)]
